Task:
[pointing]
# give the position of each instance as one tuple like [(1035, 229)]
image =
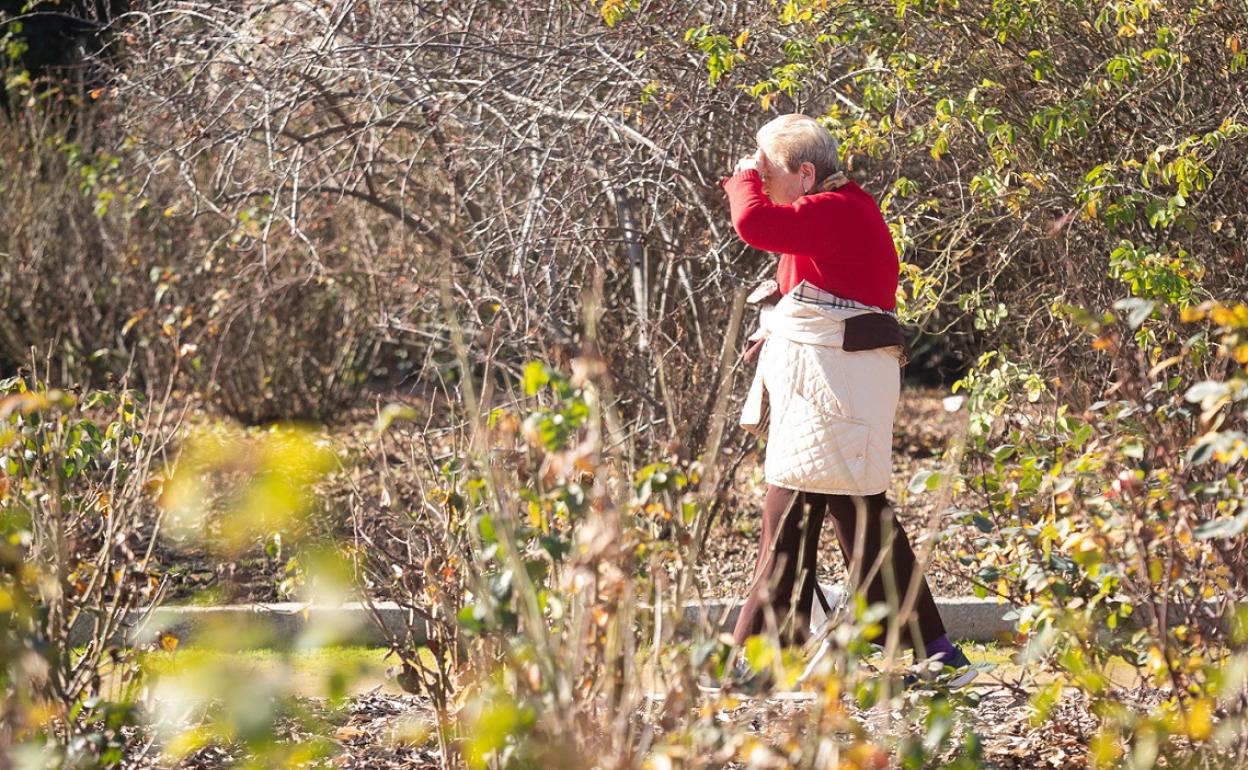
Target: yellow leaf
[(168, 642), (1036, 183), (1156, 662), (1079, 542), (1221, 316), (1191, 314), (348, 733), (40, 714), (743, 38), (1043, 701), (188, 742), (1104, 750), (1199, 722)]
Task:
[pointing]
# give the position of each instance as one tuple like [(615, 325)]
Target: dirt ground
[(377, 729)]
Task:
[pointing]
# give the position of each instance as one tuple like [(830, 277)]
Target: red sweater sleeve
[(791, 229), (836, 240)]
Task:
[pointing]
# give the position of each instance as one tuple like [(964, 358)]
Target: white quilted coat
[(828, 413)]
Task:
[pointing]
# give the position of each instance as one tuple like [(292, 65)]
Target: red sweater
[(835, 240)]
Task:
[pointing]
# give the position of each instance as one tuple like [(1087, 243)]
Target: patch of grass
[(159, 662), (316, 673), (990, 652)]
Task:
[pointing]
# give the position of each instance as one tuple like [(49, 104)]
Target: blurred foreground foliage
[(545, 578), (268, 208)]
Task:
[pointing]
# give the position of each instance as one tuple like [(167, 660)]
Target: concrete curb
[(249, 626), (967, 618)]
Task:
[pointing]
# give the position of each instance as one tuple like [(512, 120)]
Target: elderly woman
[(826, 385)]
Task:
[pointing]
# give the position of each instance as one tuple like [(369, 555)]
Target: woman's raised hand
[(748, 163)]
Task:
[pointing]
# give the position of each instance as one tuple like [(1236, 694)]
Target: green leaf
[(557, 547), (1043, 702), (760, 653), (1201, 453), (393, 412), (919, 482), (469, 619), (485, 525), (1004, 452), (536, 376)]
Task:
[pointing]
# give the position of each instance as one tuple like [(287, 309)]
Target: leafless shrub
[(505, 147), (71, 272)]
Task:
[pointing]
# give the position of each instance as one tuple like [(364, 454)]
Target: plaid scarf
[(834, 180), (804, 292)]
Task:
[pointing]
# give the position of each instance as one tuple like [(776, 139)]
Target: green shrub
[(75, 559), (1116, 528)]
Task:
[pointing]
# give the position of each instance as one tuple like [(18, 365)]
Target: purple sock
[(940, 646)]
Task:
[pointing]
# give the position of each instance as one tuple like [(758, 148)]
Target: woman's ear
[(807, 173)]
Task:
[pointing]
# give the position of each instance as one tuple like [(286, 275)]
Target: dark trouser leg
[(844, 512), (784, 576)]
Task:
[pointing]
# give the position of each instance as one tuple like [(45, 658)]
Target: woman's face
[(781, 185)]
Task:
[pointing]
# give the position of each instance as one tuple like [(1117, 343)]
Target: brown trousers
[(784, 576)]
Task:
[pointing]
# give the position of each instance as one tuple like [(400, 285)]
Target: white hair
[(794, 139)]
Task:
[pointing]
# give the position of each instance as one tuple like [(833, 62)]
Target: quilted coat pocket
[(818, 451)]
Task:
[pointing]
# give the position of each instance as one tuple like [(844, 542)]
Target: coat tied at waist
[(825, 391)]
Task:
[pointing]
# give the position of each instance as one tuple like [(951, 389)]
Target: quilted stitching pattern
[(831, 417)]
